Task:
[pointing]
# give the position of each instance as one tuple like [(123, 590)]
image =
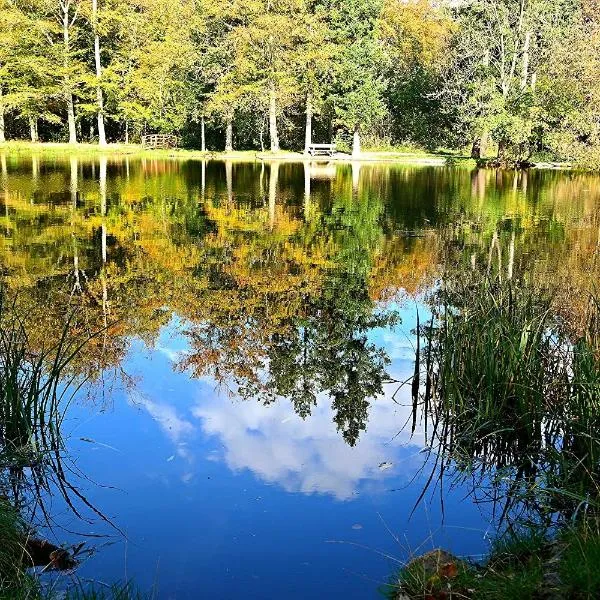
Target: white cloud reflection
[(278, 447)]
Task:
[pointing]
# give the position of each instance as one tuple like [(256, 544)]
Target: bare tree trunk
[(99, 95), (308, 131), (202, 135), (356, 144), (33, 129), (273, 119), (525, 67), (2, 135), (229, 133), (67, 82)]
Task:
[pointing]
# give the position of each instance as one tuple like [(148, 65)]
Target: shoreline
[(136, 150)]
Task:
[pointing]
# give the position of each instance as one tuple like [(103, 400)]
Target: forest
[(509, 79)]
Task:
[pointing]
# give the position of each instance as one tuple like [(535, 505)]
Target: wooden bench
[(160, 140), (321, 149)]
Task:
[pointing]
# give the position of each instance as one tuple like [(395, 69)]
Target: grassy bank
[(508, 379), (137, 151), (524, 566)]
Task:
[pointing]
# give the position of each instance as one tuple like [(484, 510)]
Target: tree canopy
[(504, 78)]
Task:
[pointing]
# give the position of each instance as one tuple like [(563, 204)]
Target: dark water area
[(244, 427)]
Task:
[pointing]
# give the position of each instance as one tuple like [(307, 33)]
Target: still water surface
[(245, 427)]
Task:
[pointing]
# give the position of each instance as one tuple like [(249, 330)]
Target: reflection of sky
[(278, 446), (239, 499)]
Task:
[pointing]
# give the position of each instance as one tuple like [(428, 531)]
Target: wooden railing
[(160, 140)]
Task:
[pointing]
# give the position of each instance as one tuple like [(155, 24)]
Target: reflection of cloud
[(173, 355), (170, 422), (307, 456), (276, 445)]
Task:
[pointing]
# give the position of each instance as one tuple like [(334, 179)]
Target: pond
[(246, 426)]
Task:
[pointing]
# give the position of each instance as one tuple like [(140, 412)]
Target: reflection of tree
[(277, 269), (286, 331)]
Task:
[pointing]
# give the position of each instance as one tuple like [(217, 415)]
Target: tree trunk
[(229, 133), (67, 82), (525, 67), (479, 146), (33, 129), (202, 135), (99, 95), (502, 149), (127, 132), (356, 144), (273, 119), (2, 135), (308, 131)]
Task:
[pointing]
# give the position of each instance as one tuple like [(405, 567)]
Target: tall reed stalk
[(511, 394)]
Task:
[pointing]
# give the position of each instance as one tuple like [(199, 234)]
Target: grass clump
[(509, 394), (521, 566), (118, 591), (15, 582)]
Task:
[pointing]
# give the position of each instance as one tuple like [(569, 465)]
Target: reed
[(510, 393)]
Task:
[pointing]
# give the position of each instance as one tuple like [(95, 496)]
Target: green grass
[(523, 566), (513, 393), (35, 389), (136, 150), (15, 582), (95, 591)]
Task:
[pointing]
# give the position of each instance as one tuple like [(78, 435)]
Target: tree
[(498, 50), (357, 95), (98, 64)]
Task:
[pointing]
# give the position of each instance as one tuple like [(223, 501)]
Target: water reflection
[(278, 301)]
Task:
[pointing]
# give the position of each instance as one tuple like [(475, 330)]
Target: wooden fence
[(160, 140)]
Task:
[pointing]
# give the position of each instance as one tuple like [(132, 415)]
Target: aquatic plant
[(509, 394)]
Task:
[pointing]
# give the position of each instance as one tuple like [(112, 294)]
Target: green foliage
[(511, 77)]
